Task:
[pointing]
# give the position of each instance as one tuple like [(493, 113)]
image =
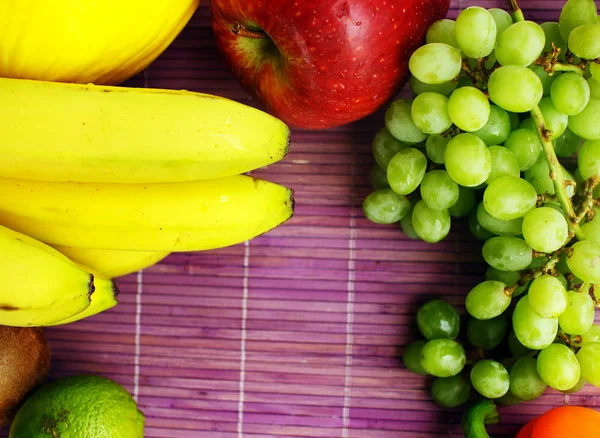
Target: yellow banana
[(186, 216), (112, 263), (39, 285), (103, 42), (72, 132)]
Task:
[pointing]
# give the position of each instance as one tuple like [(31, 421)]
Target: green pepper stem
[(477, 417)]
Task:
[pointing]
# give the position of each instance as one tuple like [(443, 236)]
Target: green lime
[(82, 406)]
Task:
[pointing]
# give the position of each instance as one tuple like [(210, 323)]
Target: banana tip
[(115, 289)]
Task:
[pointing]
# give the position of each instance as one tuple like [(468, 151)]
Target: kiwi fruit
[(24, 365)]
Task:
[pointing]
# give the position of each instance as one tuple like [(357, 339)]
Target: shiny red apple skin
[(335, 61)]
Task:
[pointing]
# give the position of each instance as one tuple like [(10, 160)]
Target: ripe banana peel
[(87, 133), (41, 286), (167, 217), (87, 41)]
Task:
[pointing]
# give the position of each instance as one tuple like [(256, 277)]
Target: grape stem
[(584, 288), (518, 13), (528, 275)]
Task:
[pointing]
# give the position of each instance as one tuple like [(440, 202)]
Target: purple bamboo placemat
[(298, 333)]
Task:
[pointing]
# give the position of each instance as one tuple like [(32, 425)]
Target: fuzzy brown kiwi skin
[(24, 366)]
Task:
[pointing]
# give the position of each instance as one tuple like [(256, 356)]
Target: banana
[(169, 217), (41, 286), (112, 263), (86, 133)]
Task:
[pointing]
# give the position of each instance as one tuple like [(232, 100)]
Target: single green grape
[(527, 123), (429, 112), (546, 78), (578, 316), (451, 392), (384, 206), (594, 68), (578, 386), (406, 170), (430, 225), (558, 367), (406, 223), (516, 348), (468, 109), (594, 85), (476, 228), (378, 177), (520, 44), (468, 160), (438, 190), (514, 120), (574, 13), (547, 296), (532, 330), (488, 333), (487, 300), (438, 319), (584, 261), (586, 124), (498, 226), (508, 399), (418, 87), (435, 63), (525, 145), (538, 176), (490, 378), (545, 229), (555, 121), (504, 163), (443, 357), (465, 202), (584, 41), (412, 357), (399, 123), (570, 93), (515, 88), (475, 32), (435, 148), (588, 161), (552, 33), (591, 229), (589, 361), (509, 198), (442, 31), (502, 18), (497, 128), (509, 278), (592, 335), (525, 381), (507, 253), (385, 146)]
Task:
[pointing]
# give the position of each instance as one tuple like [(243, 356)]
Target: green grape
[(589, 361), (502, 18), (594, 68), (578, 386), (527, 123), (545, 78), (547, 296), (594, 85), (588, 161), (586, 124), (443, 357), (384, 206), (552, 32), (398, 121), (584, 41), (592, 335), (591, 229), (507, 253), (516, 348), (509, 197), (533, 331), (514, 120), (562, 280), (406, 170), (468, 108), (468, 160), (508, 399), (406, 223), (498, 226), (578, 317), (515, 88), (558, 367), (490, 378), (418, 87), (526, 146), (476, 228), (450, 392), (435, 63), (385, 146), (504, 163), (497, 128), (574, 13), (438, 190), (520, 44), (554, 120), (412, 357), (584, 262), (378, 177), (435, 148), (545, 229), (442, 31), (507, 277), (538, 176), (570, 93), (475, 32), (567, 144), (487, 300), (437, 319), (464, 204), (487, 334), (525, 381), (430, 225), (429, 112)]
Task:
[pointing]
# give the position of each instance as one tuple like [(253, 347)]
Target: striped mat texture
[(300, 332)]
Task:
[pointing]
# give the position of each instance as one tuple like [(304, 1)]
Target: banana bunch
[(103, 181)]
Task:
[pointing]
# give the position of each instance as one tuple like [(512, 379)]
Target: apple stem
[(241, 30)]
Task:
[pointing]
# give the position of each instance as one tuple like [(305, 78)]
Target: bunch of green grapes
[(497, 101)]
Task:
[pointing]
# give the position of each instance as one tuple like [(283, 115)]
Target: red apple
[(317, 64)]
